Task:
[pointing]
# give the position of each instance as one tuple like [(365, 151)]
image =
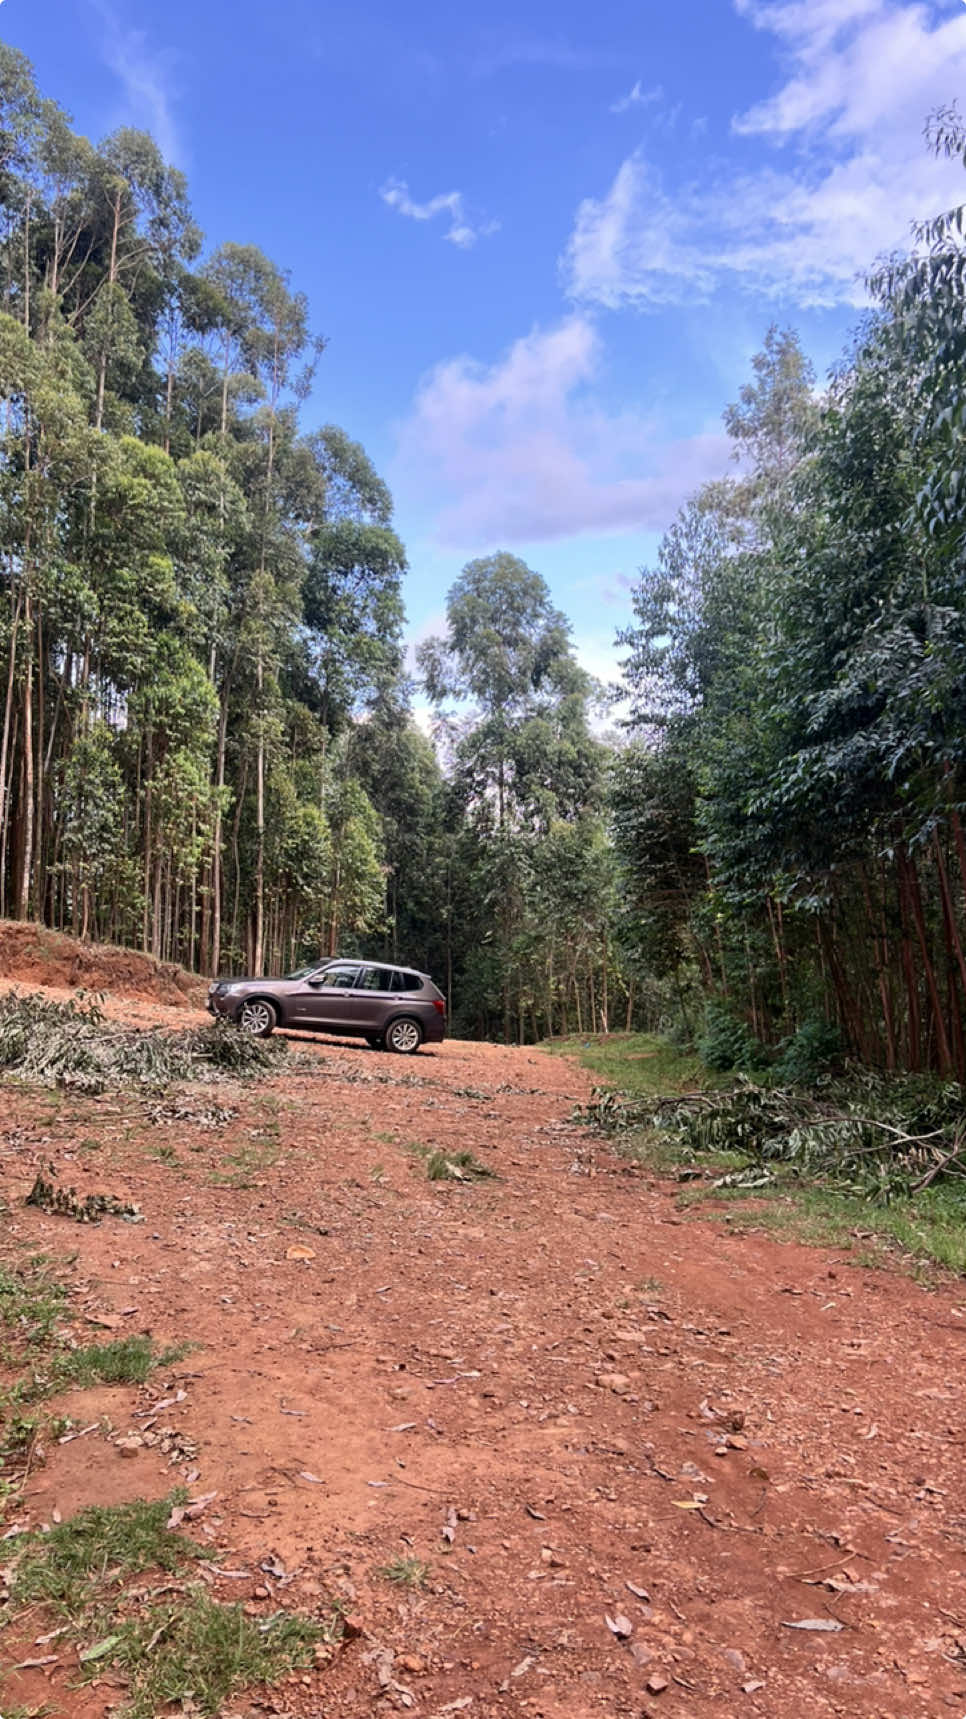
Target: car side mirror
[(316, 984)]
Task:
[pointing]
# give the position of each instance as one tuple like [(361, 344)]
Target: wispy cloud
[(848, 175), (520, 451), (146, 76), (637, 97), (461, 230), (553, 52)]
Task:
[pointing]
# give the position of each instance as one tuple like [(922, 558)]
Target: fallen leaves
[(619, 1625)]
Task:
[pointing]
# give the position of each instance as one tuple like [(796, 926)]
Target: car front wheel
[(257, 1018), (404, 1036)]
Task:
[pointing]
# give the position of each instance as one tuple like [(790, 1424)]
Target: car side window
[(375, 979), (406, 982), (342, 978)]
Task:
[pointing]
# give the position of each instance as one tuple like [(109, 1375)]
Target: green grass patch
[(456, 1167), (199, 1648), (638, 1063), (75, 1562), (928, 1229), (124, 1361), (249, 1161), (405, 1572), (31, 1303)]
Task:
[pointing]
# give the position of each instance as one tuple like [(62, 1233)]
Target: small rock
[(735, 1659), (129, 1446), (616, 1382), (656, 1683), (410, 1662)]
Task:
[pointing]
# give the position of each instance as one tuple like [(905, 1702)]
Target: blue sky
[(543, 244)]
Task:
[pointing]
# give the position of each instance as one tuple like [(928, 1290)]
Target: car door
[(329, 997), (372, 993)]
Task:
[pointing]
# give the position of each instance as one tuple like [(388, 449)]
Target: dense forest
[(207, 745)]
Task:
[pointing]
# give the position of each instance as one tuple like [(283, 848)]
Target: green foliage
[(810, 1053), (726, 1043)]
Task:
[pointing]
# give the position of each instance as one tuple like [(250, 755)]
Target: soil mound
[(32, 955)]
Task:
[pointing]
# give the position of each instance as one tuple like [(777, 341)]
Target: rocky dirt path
[(633, 1450)]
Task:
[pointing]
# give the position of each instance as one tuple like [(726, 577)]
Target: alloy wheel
[(404, 1036), (257, 1018)]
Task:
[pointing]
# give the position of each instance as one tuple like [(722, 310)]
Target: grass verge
[(915, 1230)]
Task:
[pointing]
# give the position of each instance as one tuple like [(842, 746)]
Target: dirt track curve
[(571, 1402)]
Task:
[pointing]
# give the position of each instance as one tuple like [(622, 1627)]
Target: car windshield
[(303, 972)]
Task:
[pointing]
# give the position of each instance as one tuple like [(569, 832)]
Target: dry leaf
[(619, 1625), (688, 1503), (300, 1251), (306, 1474), (812, 1623), (639, 1593)]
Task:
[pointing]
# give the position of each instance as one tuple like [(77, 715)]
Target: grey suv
[(394, 1008)]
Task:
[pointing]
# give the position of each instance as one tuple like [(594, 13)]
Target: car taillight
[(439, 1004)]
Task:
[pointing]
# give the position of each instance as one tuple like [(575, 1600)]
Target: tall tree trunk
[(27, 809), (919, 921)]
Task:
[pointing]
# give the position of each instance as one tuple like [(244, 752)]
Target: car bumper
[(224, 1007)]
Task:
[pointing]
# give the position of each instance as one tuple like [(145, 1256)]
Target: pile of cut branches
[(71, 1044), (882, 1136)]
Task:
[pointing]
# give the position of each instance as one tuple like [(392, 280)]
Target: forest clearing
[(545, 1441)]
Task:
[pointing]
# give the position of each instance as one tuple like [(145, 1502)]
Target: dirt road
[(566, 1399)]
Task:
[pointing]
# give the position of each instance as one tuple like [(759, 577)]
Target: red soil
[(529, 1384)]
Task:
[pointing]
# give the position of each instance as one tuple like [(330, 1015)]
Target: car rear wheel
[(404, 1036), (258, 1018)]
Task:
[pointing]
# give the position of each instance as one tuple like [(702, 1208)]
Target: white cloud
[(461, 231), (637, 97), (145, 76), (518, 451), (845, 175)]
